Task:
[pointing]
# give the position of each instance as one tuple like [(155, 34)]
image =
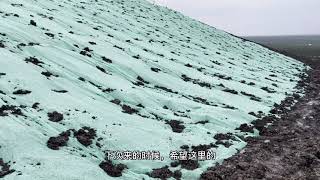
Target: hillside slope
[(80, 78)]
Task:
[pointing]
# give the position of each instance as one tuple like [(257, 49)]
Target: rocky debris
[(49, 34), (165, 89), (224, 139), (34, 61), (86, 52), (101, 69), (252, 97), (33, 23), (189, 164), (2, 45), (55, 116), (116, 101), (61, 140), (59, 91), (202, 122), (85, 135), (107, 60), (246, 128), (231, 91), (48, 74), (155, 69), (165, 173), (5, 169), (129, 110), (113, 170), (203, 147), (177, 126), (5, 110), (268, 90), (21, 92), (35, 105)]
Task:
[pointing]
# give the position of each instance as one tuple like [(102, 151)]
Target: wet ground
[(289, 148)]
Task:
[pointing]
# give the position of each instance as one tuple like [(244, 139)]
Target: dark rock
[(101, 69), (246, 128), (161, 173), (5, 169), (55, 116), (155, 69), (60, 91), (129, 110), (113, 170), (176, 126), (5, 110), (35, 105), (34, 61), (107, 60), (61, 140), (85, 135), (33, 23), (116, 101), (231, 91), (48, 74), (21, 92), (49, 34), (189, 164)]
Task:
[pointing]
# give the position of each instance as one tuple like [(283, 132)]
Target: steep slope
[(80, 78)]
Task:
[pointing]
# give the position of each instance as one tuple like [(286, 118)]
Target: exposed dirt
[(177, 126), (61, 140), (5, 110), (165, 173), (85, 135), (289, 148), (113, 170), (55, 116), (5, 168)]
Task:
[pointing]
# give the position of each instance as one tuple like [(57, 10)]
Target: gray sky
[(254, 17)]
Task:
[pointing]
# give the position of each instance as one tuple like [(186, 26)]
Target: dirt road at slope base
[(287, 149)]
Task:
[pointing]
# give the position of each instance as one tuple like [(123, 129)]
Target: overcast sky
[(254, 17)]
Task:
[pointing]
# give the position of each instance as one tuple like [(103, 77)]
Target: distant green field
[(306, 46)]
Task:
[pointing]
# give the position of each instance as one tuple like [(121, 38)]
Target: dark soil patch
[(246, 128), (61, 140), (5, 110), (48, 74), (34, 61), (5, 169), (189, 164), (85, 135), (161, 173), (113, 170), (33, 23), (21, 92), (60, 91), (49, 34), (35, 105), (231, 91), (55, 116), (155, 69), (129, 110), (116, 101), (268, 90), (101, 69), (177, 126), (202, 122), (107, 60)]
